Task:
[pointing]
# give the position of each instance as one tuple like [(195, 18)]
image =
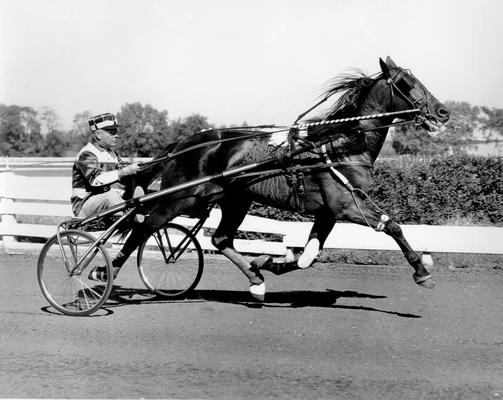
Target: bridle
[(402, 84)]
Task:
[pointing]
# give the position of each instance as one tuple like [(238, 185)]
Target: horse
[(327, 193)]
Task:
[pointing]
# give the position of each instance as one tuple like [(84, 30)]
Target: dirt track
[(334, 332)]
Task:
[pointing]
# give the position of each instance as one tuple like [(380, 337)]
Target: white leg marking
[(258, 291), (289, 256), (310, 253)]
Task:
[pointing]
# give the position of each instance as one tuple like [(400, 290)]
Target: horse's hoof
[(258, 291), (424, 281)]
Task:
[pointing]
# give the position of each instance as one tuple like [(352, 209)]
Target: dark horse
[(324, 194)]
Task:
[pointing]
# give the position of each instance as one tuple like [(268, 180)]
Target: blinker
[(403, 85)]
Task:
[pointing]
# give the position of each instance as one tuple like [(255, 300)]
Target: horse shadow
[(122, 296)]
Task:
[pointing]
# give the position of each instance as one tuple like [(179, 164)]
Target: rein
[(291, 128), (174, 154), (359, 118)]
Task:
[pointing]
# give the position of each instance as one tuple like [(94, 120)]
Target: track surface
[(332, 332)]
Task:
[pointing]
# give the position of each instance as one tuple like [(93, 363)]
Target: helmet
[(104, 121)]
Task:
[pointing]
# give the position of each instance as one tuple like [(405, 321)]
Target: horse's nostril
[(443, 112)]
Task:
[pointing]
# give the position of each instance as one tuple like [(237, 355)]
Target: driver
[(98, 180)]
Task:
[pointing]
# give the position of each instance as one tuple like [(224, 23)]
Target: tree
[(461, 125), (80, 134), (493, 123), (35, 144), (29, 120), (14, 123), (48, 119), (35, 141), (190, 125), (55, 144), (145, 130)]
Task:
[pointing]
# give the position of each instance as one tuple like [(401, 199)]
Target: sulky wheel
[(171, 261), (66, 287)]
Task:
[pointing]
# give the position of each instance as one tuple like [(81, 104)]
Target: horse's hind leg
[(324, 222), (233, 212), (139, 233)]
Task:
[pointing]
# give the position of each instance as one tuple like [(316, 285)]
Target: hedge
[(449, 190)]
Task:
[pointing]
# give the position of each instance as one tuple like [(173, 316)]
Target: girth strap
[(336, 172)]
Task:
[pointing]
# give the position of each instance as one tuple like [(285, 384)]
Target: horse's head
[(407, 92)]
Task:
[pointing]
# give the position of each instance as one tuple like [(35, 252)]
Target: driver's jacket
[(95, 171)]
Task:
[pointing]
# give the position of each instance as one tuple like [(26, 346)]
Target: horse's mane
[(354, 88)]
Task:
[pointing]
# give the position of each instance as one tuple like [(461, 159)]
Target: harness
[(299, 143)]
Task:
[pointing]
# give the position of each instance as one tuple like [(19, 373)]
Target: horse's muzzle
[(433, 121)]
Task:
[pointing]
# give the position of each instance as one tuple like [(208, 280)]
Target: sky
[(259, 61)]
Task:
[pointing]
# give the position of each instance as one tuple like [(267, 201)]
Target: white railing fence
[(28, 188)]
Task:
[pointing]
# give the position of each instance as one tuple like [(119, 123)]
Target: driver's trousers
[(101, 201)]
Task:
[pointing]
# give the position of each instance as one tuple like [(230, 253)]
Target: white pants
[(101, 201)]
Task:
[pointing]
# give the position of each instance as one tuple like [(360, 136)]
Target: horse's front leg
[(421, 275), (364, 215), (233, 213)]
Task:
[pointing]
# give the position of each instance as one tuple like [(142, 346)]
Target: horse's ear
[(390, 62), (384, 67)]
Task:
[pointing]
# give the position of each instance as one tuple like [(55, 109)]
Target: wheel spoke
[(176, 275), (158, 239)]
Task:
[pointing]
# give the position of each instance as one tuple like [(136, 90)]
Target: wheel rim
[(72, 293)]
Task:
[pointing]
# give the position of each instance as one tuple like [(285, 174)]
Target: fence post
[(6, 203)]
